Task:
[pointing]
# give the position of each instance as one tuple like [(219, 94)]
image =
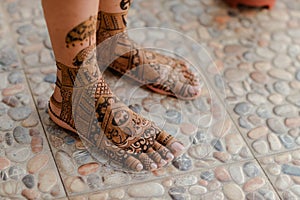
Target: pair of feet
[(83, 103)]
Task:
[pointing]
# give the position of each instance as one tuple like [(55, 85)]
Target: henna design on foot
[(162, 74)]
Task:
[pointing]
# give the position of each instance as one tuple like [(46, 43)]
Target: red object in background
[(253, 3)]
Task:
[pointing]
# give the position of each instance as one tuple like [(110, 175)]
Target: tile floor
[(242, 134)]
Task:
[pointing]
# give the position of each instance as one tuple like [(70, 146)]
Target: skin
[(72, 29)]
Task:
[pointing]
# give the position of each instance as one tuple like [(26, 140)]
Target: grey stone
[(264, 111), (290, 170), (21, 135), (3, 175), (94, 181), (286, 110), (137, 108), (69, 140), (294, 99), (173, 116), (177, 193), (18, 154), (16, 172), (287, 141), (217, 145), (15, 77), (28, 181), (3, 109), (276, 125), (250, 169), (243, 108), (183, 163), (8, 139), (254, 196), (6, 124), (207, 175), (200, 137), (201, 104), (243, 122), (82, 157), (282, 87), (294, 50), (11, 101), (50, 78), (7, 56), (186, 180), (19, 113)]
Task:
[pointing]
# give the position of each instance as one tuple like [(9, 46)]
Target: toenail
[(153, 166), (139, 167), (170, 156), (177, 146)]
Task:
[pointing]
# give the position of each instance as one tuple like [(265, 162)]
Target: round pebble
[(282, 182), (222, 174), (64, 162), (207, 175), (31, 121), (256, 99), (94, 181), (285, 110), (50, 78), (274, 169), (234, 143), (75, 184), (283, 158), (233, 191), (237, 174), (36, 144), (186, 180), (258, 132), (282, 88), (4, 163), (234, 74), (254, 184), (173, 116), (87, 169), (292, 122), (260, 146), (274, 142), (46, 180), (188, 129), (294, 99), (18, 154), (117, 193), (280, 74), (28, 181), (19, 113), (276, 126), (30, 194), (222, 156), (183, 163), (116, 179), (6, 124), (177, 193), (15, 77), (11, 101), (197, 190), (250, 169), (264, 111), (243, 108), (21, 135), (16, 172), (259, 77), (287, 141), (36, 163), (145, 190), (275, 98)]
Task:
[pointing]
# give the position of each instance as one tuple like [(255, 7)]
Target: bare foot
[(162, 74), (83, 103)]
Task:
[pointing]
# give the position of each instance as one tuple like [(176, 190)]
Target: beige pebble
[(12, 90), (37, 162), (283, 158), (258, 132), (88, 168), (293, 122), (99, 196), (36, 144), (222, 156), (233, 192), (46, 180), (222, 174), (254, 184), (4, 163), (188, 129), (31, 194), (117, 193)]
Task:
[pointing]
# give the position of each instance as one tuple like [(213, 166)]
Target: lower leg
[(114, 129)]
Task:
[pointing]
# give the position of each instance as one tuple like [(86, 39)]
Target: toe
[(170, 142), (164, 152), (156, 157), (148, 163)]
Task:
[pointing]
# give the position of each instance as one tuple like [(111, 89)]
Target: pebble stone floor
[(244, 130)]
